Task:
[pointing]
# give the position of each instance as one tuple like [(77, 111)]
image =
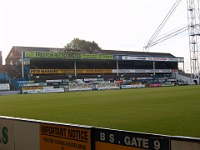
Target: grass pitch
[(167, 110)]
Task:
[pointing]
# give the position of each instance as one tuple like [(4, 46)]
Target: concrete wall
[(186, 79)]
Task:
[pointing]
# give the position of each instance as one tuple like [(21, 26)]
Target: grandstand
[(43, 64)]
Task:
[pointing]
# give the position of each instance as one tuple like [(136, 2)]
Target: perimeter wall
[(25, 134)]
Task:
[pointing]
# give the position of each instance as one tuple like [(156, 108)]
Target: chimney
[(1, 60)]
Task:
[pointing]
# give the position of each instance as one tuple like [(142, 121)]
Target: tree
[(78, 44)]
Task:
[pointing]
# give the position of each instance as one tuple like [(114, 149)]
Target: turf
[(167, 110)]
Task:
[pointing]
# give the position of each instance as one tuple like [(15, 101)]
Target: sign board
[(174, 59), (4, 87), (70, 71), (58, 55), (96, 71), (120, 140), (141, 70), (62, 137)]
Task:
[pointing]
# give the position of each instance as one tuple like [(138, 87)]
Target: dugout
[(38, 63)]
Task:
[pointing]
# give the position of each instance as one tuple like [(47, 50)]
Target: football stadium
[(88, 101), (82, 97), (58, 68)]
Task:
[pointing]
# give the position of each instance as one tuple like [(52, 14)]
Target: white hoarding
[(184, 145), (6, 134), (27, 135)]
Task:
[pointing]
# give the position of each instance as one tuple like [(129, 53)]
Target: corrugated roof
[(18, 49), (136, 53)]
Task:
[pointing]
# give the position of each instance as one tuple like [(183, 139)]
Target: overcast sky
[(114, 24)]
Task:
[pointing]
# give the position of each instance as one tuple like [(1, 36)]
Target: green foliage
[(167, 110), (78, 44)]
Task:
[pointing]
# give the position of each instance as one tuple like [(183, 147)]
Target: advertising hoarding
[(70, 71), (108, 139), (62, 137), (4, 87), (174, 59), (26, 134), (53, 55)]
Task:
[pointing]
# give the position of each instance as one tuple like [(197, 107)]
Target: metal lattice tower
[(194, 36)]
